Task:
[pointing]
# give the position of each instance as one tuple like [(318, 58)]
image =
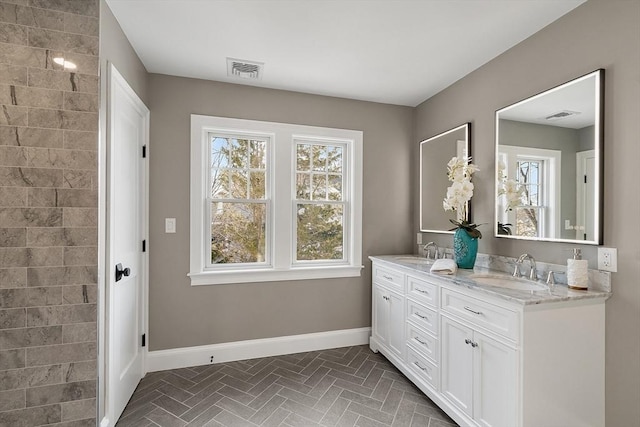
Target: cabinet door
[(380, 321), (396, 323), (457, 365), (495, 381)]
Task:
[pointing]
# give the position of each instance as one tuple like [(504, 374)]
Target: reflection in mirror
[(435, 153), (549, 164)]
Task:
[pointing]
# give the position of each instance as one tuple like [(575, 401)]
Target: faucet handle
[(551, 278)]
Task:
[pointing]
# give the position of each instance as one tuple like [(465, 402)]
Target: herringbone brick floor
[(349, 386)]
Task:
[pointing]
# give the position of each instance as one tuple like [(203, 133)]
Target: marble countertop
[(462, 278)]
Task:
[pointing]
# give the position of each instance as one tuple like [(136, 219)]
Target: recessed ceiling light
[(66, 64)]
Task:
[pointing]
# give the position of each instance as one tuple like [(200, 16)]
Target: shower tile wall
[(48, 212)]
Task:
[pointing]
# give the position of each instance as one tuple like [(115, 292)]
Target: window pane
[(239, 153), (219, 152), (334, 190), (238, 232), (527, 221), (257, 185), (533, 196), (334, 159), (319, 232), (220, 183), (303, 157), (319, 187), (319, 157), (257, 154), (231, 162), (238, 185), (303, 186), (535, 166)]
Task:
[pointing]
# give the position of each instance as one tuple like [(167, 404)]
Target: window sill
[(271, 275)]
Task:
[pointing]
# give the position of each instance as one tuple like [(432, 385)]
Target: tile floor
[(349, 386)]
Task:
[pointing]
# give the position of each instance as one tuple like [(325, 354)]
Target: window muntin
[(320, 202)]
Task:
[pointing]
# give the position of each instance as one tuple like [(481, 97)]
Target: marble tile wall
[(48, 212)]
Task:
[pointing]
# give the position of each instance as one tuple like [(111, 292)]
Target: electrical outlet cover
[(608, 259)]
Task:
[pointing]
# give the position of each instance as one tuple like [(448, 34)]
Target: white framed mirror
[(549, 164), (435, 153)]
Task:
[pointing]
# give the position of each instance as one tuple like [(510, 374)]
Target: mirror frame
[(599, 169), (467, 132)]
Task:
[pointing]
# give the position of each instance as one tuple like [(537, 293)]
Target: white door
[(126, 212), (586, 193)]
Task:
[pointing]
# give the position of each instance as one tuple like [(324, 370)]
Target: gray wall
[(114, 49), (566, 140), (182, 315), (597, 34), (48, 212)]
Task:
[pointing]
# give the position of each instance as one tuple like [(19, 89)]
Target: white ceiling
[(390, 51), (578, 96)]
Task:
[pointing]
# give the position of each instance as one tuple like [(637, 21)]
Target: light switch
[(169, 225)]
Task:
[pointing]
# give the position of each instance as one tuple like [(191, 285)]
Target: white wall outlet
[(419, 238), (608, 259), (169, 225)]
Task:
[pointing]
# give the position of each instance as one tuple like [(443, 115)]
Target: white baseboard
[(241, 350), (104, 422)]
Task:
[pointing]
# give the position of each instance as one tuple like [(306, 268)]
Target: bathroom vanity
[(491, 355)]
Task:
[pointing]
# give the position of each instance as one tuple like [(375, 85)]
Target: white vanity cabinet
[(479, 373), (489, 359), (388, 310)]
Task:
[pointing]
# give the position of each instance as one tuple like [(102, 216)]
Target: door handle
[(121, 272)]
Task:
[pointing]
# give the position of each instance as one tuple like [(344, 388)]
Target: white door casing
[(585, 195), (127, 202)]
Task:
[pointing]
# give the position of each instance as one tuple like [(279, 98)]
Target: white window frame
[(551, 207), (281, 263)]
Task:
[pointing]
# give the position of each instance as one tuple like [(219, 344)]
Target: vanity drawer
[(422, 316), (425, 369), (422, 291), (423, 342), (393, 279), (489, 316)]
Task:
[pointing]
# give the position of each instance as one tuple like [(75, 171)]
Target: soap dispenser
[(577, 273)]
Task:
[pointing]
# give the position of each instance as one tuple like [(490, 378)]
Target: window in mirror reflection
[(534, 211)]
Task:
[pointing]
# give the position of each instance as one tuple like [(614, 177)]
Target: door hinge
[(144, 151), (585, 179), (144, 246), (144, 340)]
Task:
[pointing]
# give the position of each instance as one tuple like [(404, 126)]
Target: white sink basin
[(508, 282)]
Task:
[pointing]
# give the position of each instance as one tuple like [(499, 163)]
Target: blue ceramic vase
[(465, 248)]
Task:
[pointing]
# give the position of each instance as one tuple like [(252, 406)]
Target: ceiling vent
[(244, 69), (561, 115)]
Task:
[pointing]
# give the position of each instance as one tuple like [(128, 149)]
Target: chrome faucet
[(533, 272), (427, 250)]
